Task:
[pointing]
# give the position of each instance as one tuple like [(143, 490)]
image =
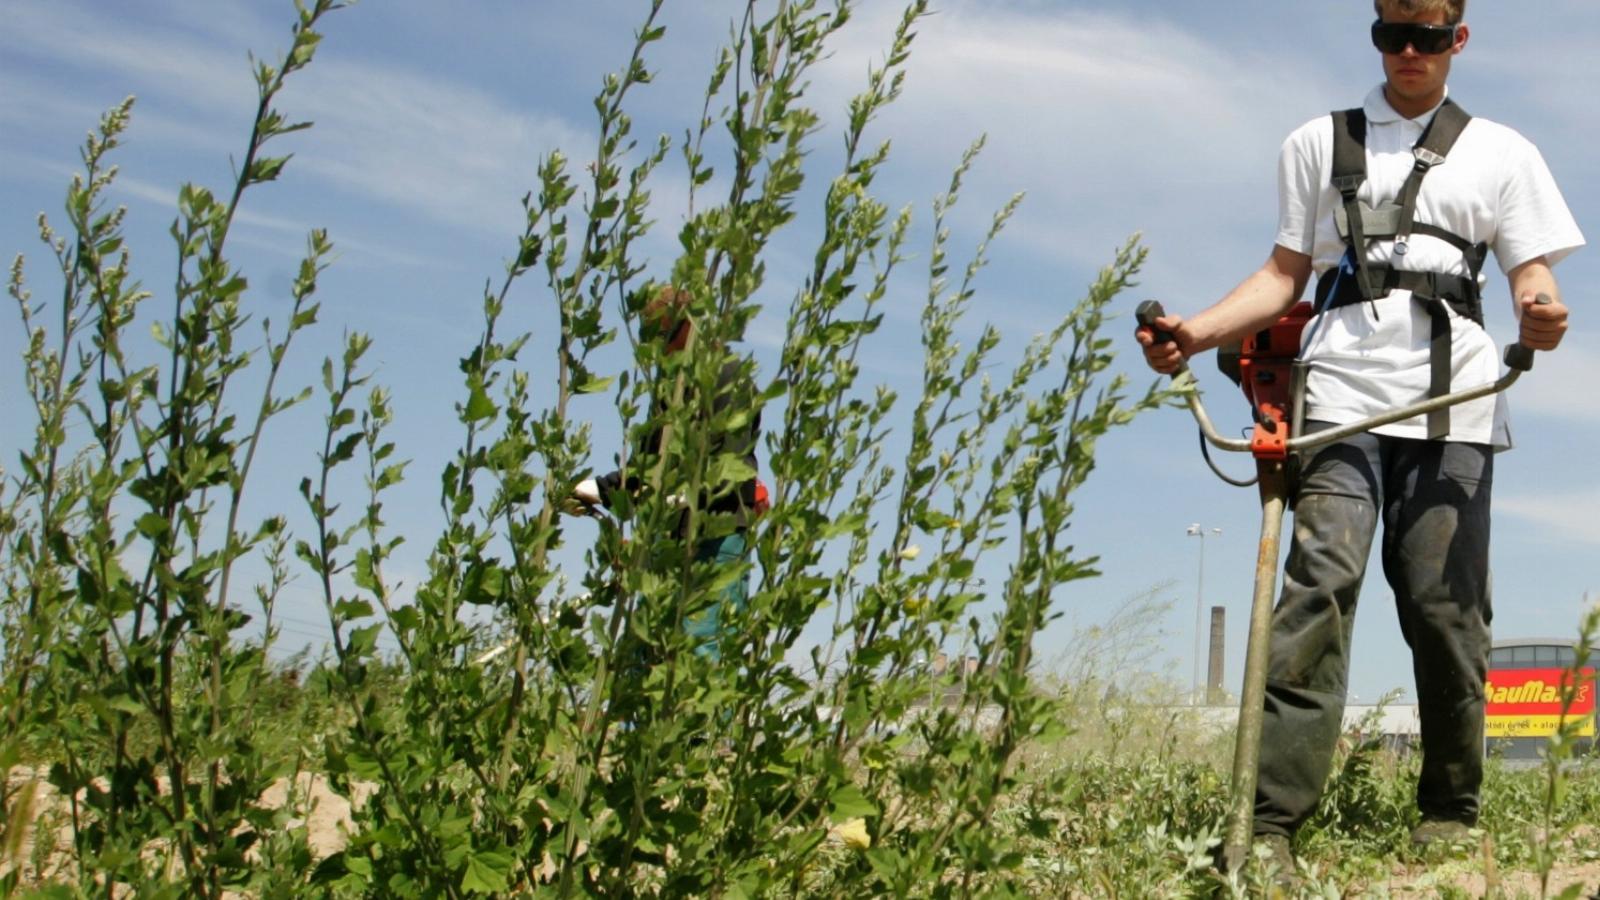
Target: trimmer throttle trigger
[(1147, 314), (1518, 356)]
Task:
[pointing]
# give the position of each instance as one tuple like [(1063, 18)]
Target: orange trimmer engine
[(1264, 365)]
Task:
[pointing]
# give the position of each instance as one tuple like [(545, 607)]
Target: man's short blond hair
[(1453, 10)]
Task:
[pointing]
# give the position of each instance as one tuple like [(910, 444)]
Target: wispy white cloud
[(211, 72), (1561, 385), (1559, 516), (281, 235), (1547, 69), (1111, 125), (27, 101), (414, 140)]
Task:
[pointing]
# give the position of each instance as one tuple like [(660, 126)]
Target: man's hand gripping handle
[(1518, 355), (1146, 314)]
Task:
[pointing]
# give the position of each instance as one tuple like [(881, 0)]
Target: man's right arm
[(1257, 302)]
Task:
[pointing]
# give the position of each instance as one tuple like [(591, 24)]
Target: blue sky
[(1114, 118)]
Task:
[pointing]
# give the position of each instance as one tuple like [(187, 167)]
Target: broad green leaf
[(849, 803), (487, 873), (849, 524), (152, 525), (267, 168), (593, 384), (729, 468), (479, 406)]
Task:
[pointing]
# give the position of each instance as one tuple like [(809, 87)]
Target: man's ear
[(1462, 33)]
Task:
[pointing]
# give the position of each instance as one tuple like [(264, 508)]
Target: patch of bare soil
[(325, 814), (1477, 876), (1422, 881), (43, 851)]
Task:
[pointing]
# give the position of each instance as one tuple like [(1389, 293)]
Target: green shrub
[(599, 752), (120, 546), (611, 757), (582, 743)]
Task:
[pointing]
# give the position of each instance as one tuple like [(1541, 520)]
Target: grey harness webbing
[(1359, 223)]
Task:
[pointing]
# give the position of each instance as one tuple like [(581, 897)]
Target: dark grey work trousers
[(1433, 498)]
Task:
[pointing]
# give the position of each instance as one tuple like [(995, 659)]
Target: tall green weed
[(122, 532), (596, 751), (607, 755)]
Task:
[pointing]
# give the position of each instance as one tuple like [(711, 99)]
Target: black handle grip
[(1518, 356), (1147, 314)]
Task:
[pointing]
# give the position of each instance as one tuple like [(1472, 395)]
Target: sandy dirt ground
[(328, 822), (325, 814), (1467, 879)]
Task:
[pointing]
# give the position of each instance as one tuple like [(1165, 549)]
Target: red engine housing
[(1266, 359)]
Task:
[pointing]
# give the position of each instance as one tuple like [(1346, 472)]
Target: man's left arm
[(1540, 325)]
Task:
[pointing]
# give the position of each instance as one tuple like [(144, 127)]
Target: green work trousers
[(1433, 500)]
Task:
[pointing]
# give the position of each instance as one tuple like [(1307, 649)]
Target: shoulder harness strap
[(1430, 150), (1433, 290), (1349, 173)]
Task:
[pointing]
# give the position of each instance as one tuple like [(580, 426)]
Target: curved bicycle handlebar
[(1518, 359)]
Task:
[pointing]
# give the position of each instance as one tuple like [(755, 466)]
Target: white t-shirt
[(1368, 358)]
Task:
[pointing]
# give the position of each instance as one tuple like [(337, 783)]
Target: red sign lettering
[(1537, 692)]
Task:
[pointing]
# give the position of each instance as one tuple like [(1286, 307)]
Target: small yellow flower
[(912, 551), (915, 603), (853, 834)]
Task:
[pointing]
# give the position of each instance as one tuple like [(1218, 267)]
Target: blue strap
[(1347, 266)]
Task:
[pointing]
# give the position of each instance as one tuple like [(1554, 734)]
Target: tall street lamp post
[(1196, 530)]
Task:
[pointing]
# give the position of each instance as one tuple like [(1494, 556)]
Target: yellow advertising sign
[(1523, 703), (1533, 726)]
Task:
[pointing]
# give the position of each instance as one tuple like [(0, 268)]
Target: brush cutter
[(1267, 367)]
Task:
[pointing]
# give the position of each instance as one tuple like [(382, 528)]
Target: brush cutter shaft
[(1340, 432), (1253, 694), (1518, 359)]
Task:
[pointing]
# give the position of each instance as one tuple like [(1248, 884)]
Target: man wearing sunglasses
[(1394, 208)]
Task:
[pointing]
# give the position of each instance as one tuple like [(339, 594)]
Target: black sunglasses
[(1392, 37)]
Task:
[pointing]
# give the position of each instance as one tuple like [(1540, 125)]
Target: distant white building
[(1521, 714), (1398, 723)]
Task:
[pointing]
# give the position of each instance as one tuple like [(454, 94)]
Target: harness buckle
[(1347, 185), (1426, 158)]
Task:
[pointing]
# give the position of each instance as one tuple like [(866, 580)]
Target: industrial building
[(1523, 700)]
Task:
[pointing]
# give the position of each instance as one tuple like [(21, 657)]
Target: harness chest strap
[(1359, 224)]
